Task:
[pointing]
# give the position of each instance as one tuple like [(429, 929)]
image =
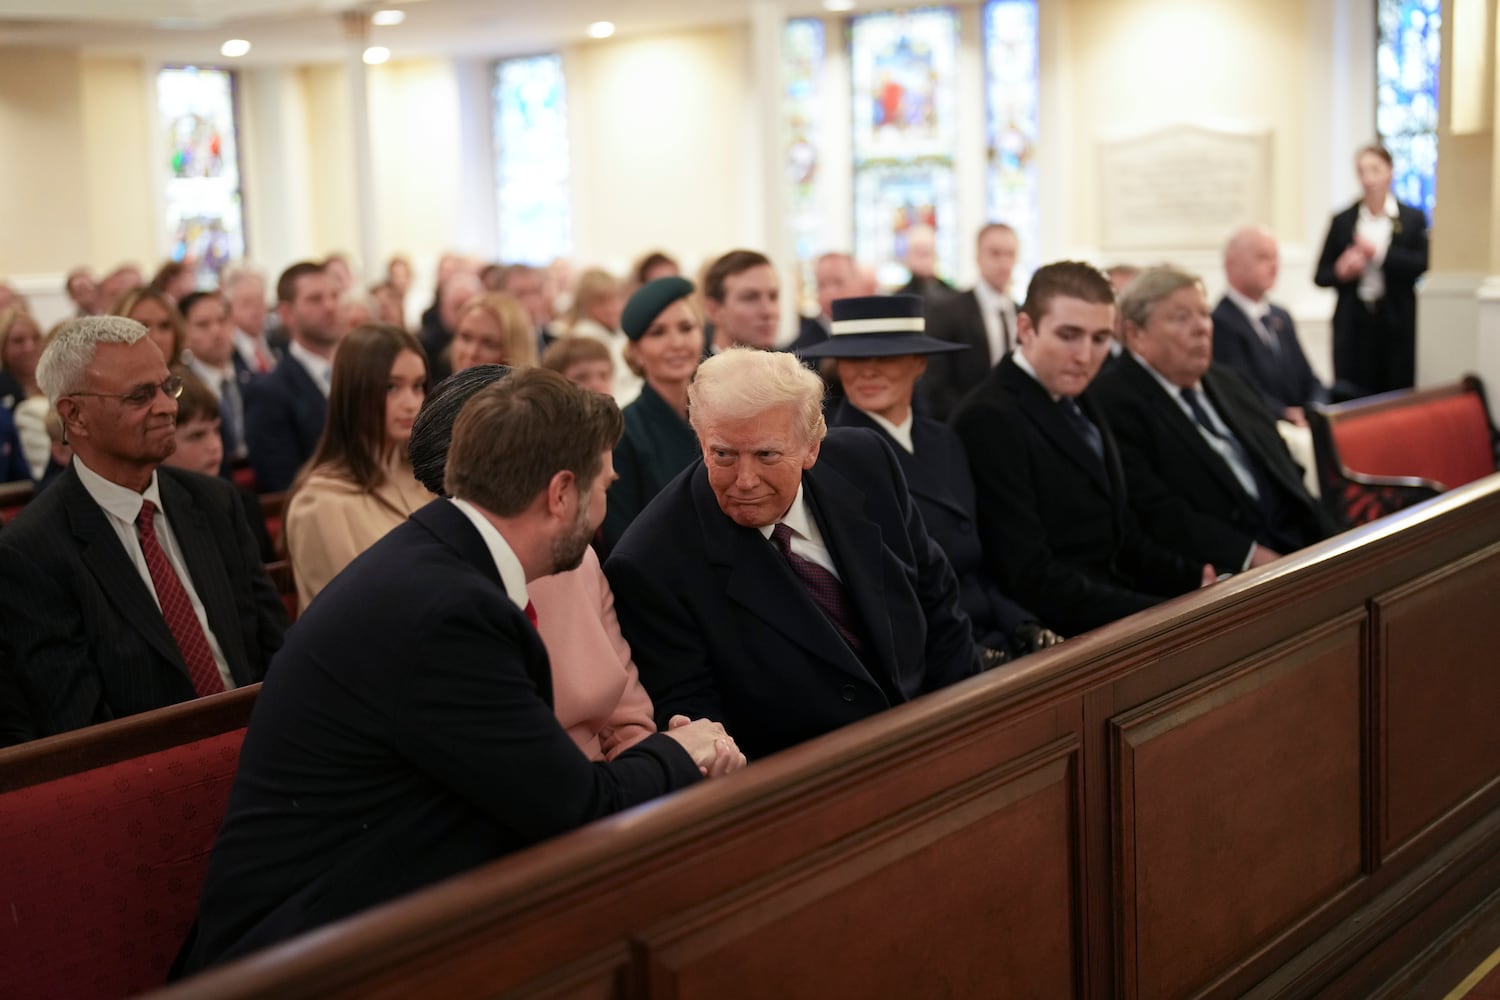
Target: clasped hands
[(1354, 258), (712, 749)]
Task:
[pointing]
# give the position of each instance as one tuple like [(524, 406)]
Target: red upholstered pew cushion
[(1444, 440), (100, 871)]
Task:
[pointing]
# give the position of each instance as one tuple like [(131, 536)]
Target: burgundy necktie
[(531, 613), (177, 609), (824, 588)]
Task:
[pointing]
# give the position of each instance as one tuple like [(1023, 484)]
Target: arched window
[(802, 49)]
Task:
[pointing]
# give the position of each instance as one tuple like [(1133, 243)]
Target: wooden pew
[(1287, 785), (104, 837), (13, 498)]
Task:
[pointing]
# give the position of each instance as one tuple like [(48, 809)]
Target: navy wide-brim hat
[(648, 302), (878, 326)]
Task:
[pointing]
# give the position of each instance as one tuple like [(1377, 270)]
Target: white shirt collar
[(1021, 363), (1173, 390), (990, 300), (796, 518), (120, 501), (1388, 210), (213, 377), (1254, 308), (901, 432), (319, 367), (512, 576)]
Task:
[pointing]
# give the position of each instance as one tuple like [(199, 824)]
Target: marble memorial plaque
[(1182, 188)]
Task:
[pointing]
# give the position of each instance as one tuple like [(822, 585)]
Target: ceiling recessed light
[(387, 18), (376, 54), (234, 48), (838, 6), (601, 29)]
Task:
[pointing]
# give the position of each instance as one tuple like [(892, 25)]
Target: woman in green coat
[(666, 343)]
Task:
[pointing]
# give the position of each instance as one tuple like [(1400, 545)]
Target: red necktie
[(177, 609), (531, 613), (262, 357)]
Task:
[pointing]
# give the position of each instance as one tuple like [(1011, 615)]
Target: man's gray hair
[(1150, 287), (238, 273), (64, 364), (742, 383)]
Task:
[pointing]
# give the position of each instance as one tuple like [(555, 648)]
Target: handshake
[(711, 748)]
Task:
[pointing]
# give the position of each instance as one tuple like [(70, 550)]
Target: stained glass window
[(531, 160), (1011, 112), (205, 218), (903, 68), (801, 68), (1406, 68)]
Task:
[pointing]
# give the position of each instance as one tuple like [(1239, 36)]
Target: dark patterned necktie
[(177, 608), (1084, 426), (824, 588)]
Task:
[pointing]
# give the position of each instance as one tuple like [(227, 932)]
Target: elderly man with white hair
[(125, 586), (785, 585)]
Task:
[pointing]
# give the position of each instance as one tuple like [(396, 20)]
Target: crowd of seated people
[(670, 552)]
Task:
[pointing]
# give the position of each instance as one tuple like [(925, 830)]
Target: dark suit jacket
[(1182, 490), (723, 629), (932, 289), (657, 444), (951, 376), (406, 734), (810, 331), (1057, 531), (937, 473), (1405, 262), (284, 415), (1283, 377), (81, 629)]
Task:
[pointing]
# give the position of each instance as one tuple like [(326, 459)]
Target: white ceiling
[(282, 31)]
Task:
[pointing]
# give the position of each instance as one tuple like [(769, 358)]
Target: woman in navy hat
[(882, 351), (666, 344)]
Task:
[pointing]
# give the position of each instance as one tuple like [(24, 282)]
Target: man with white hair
[(125, 587), (244, 289), (786, 585)]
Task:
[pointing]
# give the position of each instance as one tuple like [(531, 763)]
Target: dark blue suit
[(284, 415), (722, 628), (937, 473), (1281, 375), (405, 734)]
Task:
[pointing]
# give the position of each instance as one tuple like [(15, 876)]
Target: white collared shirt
[(212, 377), (991, 305), (121, 507), (1378, 229), (807, 540), (512, 576), (1025, 366), (1259, 314), (319, 367), (900, 432), (248, 347)]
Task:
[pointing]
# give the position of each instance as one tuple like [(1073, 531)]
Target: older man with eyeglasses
[(125, 586)]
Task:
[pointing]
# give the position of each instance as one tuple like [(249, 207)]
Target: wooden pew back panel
[(1445, 440), (100, 870)]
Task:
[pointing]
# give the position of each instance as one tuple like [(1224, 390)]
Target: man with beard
[(126, 586), (406, 731)]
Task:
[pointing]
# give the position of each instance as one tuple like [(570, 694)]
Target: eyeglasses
[(141, 395)]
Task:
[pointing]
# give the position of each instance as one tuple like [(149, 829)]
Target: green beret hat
[(648, 302)]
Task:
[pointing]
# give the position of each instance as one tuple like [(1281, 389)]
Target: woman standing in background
[(1375, 252)]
